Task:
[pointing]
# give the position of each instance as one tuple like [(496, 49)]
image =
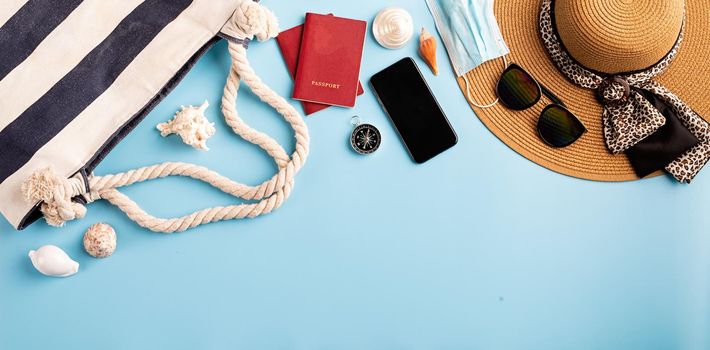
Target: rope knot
[(55, 194), (250, 19), (614, 91)]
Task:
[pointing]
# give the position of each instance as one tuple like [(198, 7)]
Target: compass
[(365, 138)]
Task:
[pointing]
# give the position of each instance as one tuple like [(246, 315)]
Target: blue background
[(477, 249)]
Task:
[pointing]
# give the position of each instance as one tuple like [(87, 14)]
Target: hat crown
[(617, 36)]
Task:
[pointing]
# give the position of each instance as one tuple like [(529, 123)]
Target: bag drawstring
[(248, 21)]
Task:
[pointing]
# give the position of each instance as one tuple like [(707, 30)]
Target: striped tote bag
[(77, 76)]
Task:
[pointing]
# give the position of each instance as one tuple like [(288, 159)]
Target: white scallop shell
[(52, 261), (393, 27)]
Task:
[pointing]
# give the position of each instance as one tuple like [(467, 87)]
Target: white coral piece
[(191, 125)]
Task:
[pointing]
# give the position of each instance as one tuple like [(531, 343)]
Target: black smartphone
[(415, 113)]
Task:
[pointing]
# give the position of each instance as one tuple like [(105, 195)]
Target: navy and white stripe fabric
[(76, 76)]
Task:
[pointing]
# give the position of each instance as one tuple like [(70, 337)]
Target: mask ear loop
[(470, 98)]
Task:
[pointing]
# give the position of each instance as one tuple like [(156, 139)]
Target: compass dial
[(365, 139)]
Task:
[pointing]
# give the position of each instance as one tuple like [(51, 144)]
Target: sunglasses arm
[(551, 96)]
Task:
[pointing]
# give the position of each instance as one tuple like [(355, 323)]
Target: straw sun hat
[(606, 36)]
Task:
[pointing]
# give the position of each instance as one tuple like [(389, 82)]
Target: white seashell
[(100, 240), (52, 261), (191, 125), (393, 27)]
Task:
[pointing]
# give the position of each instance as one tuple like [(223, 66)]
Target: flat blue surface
[(477, 249)]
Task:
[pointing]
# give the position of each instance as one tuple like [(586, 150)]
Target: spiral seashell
[(191, 125), (393, 27), (427, 49)]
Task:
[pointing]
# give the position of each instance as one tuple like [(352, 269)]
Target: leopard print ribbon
[(628, 116)]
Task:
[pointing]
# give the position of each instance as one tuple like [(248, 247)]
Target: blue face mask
[(469, 31)]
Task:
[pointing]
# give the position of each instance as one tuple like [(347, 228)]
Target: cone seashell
[(52, 261), (393, 27), (191, 125), (100, 240), (427, 49)]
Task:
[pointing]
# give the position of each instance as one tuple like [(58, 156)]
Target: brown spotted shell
[(100, 240)]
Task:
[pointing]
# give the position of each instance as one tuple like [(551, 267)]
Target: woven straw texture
[(613, 36), (588, 158)]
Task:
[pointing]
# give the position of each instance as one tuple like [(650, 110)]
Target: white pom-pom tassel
[(55, 193)]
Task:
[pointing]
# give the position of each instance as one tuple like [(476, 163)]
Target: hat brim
[(588, 158)]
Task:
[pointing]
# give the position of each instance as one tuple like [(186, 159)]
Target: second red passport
[(290, 44), (329, 60)]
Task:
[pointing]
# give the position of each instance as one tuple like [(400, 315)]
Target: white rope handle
[(56, 192)]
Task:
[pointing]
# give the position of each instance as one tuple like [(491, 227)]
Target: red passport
[(290, 44), (329, 61)]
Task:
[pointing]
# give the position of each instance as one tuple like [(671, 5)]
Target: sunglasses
[(557, 126)]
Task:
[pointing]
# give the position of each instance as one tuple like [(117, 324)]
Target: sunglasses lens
[(558, 127), (517, 90)]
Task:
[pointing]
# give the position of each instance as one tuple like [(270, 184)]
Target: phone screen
[(414, 111)]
